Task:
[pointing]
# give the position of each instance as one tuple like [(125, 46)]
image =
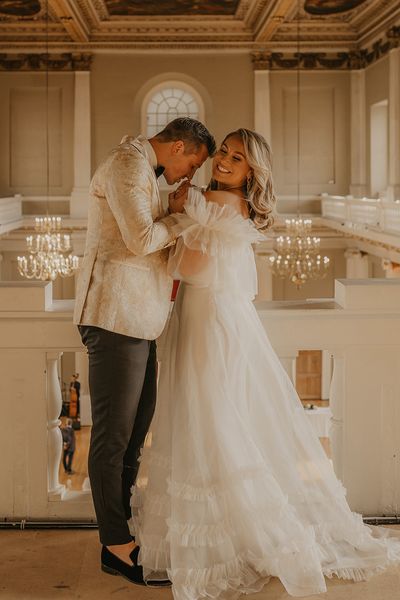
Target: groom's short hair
[(190, 131)]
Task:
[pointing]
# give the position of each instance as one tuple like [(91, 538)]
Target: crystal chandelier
[(297, 256), (48, 250)]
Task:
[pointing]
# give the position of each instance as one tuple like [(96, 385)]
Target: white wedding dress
[(235, 486)]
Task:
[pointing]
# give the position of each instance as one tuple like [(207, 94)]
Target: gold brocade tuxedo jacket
[(123, 284)]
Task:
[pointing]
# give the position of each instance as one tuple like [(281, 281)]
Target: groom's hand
[(177, 199)]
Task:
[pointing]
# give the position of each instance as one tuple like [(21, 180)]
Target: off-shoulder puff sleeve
[(207, 232)]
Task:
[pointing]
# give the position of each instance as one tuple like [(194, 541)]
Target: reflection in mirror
[(75, 421)]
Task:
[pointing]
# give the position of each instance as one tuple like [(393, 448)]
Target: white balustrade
[(334, 207), (363, 212), (34, 332), (377, 214), (360, 328), (391, 217), (54, 437)]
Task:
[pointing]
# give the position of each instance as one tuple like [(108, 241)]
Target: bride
[(235, 486)]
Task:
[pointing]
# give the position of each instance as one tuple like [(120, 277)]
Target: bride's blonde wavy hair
[(259, 188)]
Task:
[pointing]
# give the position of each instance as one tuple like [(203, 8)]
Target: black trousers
[(122, 382), (67, 460)]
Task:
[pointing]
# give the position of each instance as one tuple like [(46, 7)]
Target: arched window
[(167, 101), (167, 104)]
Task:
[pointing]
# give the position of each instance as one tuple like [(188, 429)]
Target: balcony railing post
[(54, 436)]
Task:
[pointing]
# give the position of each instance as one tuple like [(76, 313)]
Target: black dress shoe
[(113, 565)]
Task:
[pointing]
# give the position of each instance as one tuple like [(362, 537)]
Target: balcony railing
[(380, 215), (360, 328)]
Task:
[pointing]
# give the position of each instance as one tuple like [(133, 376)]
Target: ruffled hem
[(224, 580), (248, 574)]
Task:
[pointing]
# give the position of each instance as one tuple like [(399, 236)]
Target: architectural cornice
[(357, 59), (43, 62)]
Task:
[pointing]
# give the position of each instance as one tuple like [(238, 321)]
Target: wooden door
[(308, 374)]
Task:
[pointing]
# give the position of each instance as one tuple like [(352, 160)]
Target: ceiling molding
[(72, 19), (87, 26)]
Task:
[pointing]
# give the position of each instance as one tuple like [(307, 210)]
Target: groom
[(122, 303)]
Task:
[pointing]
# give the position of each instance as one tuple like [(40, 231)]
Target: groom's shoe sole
[(151, 583), (162, 583), (111, 571)]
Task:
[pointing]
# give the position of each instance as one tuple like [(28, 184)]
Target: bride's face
[(230, 167)]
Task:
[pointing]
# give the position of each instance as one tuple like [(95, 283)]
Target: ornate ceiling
[(269, 25)]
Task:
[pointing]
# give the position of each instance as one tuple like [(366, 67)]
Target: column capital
[(262, 60), (392, 269), (354, 253)]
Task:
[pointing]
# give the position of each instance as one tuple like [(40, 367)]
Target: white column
[(82, 367), (336, 403), (54, 437), (394, 125), (288, 360), (358, 142), (392, 270), (357, 264), (82, 145), (326, 374), (262, 104), (264, 276)]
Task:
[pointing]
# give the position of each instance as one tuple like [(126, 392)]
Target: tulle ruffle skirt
[(234, 486)]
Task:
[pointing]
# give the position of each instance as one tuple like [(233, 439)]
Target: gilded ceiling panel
[(171, 7), (19, 8), (330, 7)]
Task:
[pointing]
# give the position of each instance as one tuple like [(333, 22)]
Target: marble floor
[(64, 564)]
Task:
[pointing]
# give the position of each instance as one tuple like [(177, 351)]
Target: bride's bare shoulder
[(222, 197)]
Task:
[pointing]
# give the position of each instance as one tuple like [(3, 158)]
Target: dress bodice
[(214, 247)]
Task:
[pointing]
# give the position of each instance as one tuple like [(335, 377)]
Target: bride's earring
[(249, 181)]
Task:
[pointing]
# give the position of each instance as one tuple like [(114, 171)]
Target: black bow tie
[(159, 171)]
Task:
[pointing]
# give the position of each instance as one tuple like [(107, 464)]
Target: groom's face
[(183, 162)]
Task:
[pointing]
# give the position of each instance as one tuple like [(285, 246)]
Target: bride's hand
[(177, 199)]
